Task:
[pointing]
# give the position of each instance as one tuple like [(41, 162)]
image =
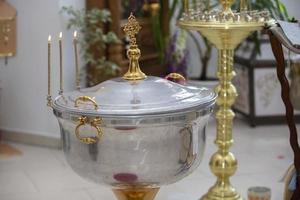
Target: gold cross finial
[(132, 28)]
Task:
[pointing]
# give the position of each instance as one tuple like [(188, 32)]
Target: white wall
[(293, 7), (23, 80)]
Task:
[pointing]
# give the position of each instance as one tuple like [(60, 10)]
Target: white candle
[(60, 65), (208, 6), (49, 63), (242, 5), (76, 60)]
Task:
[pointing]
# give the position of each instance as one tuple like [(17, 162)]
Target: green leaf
[(88, 22)]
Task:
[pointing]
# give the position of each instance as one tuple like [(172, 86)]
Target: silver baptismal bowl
[(134, 133)]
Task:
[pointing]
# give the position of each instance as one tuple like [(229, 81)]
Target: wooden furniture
[(149, 60), (257, 85), (278, 39), (8, 36)]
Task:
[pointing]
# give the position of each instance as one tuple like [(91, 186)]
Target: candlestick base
[(136, 193)]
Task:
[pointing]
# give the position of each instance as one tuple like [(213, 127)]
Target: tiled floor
[(43, 174)]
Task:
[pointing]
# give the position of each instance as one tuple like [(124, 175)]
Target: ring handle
[(95, 123), (85, 99), (176, 77)]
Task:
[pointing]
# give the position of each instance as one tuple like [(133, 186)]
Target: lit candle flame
[(60, 35), (75, 34), (49, 38)]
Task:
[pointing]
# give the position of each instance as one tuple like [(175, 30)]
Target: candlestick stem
[(207, 6), (223, 163), (60, 66), (76, 61), (242, 6), (186, 7), (49, 98), (250, 5), (201, 6)]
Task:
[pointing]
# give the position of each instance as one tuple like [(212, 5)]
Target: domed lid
[(119, 97), (134, 94)]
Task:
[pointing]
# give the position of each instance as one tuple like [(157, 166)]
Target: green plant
[(204, 47), (277, 10), (93, 39)]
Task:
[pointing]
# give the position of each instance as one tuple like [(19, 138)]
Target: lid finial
[(131, 29)]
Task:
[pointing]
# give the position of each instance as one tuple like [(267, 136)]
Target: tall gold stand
[(225, 30), (136, 193)]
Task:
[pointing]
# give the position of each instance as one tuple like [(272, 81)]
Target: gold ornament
[(132, 28)]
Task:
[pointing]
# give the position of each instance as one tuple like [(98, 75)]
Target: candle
[(49, 71), (186, 6), (201, 6), (207, 6), (76, 60), (242, 5), (195, 5), (60, 65), (250, 5)]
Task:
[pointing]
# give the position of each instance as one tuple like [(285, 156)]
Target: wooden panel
[(95, 4), (149, 60), (8, 30)]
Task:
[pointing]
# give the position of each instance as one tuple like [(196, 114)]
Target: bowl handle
[(94, 123), (177, 78), (85, 99), (84, 120)]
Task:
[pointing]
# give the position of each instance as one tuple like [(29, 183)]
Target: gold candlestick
[(49, 98), (250, 5), (242, 6), (76, 61), (136, 193), (225, 34), (60, 92), (201, 6), (195, 5), (186, 7), (207, 6)]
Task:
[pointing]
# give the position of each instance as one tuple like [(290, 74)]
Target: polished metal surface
[(134, 133), (151, 96), (148, 154), (225, 29), (136, 193)]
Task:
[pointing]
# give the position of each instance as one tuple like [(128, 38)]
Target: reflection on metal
[(136, 193)]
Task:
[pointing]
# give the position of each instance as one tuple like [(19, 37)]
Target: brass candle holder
[(225, 29)]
